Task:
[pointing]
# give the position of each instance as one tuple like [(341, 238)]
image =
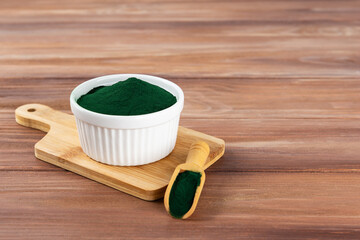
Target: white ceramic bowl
[(127, 140)]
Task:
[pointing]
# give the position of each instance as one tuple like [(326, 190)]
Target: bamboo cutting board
[(61, 147)]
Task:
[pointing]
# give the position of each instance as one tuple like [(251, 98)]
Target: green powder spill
[(130, 97), (182, 193)]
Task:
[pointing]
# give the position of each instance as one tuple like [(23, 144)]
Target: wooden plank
[(224, 38), (221, 98), (232, 206), (269, 59), (187, 10)]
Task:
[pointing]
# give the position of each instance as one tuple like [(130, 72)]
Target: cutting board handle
[(41, 117)]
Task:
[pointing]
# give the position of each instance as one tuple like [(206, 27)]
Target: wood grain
[(277, 80), (188, 38), (218, 98), (269, 124), (264, 206), (251, 144)]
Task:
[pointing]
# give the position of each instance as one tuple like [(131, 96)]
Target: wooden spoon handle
[(198, 153)]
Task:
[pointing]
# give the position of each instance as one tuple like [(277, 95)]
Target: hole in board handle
[(31, 110)]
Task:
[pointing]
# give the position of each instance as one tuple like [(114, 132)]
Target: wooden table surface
[(279, 81)]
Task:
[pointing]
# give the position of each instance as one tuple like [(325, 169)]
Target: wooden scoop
[(195, 162)]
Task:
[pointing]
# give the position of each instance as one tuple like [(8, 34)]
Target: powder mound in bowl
[(130, 97)]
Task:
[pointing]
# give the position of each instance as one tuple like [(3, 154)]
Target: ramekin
[(127, 140)]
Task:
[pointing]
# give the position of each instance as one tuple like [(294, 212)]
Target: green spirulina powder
[(182, 193), (130, 97)]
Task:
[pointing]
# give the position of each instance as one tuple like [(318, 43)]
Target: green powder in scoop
[(130, 97), (182, 193)]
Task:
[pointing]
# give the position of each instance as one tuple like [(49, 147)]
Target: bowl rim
[(132, 121)]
